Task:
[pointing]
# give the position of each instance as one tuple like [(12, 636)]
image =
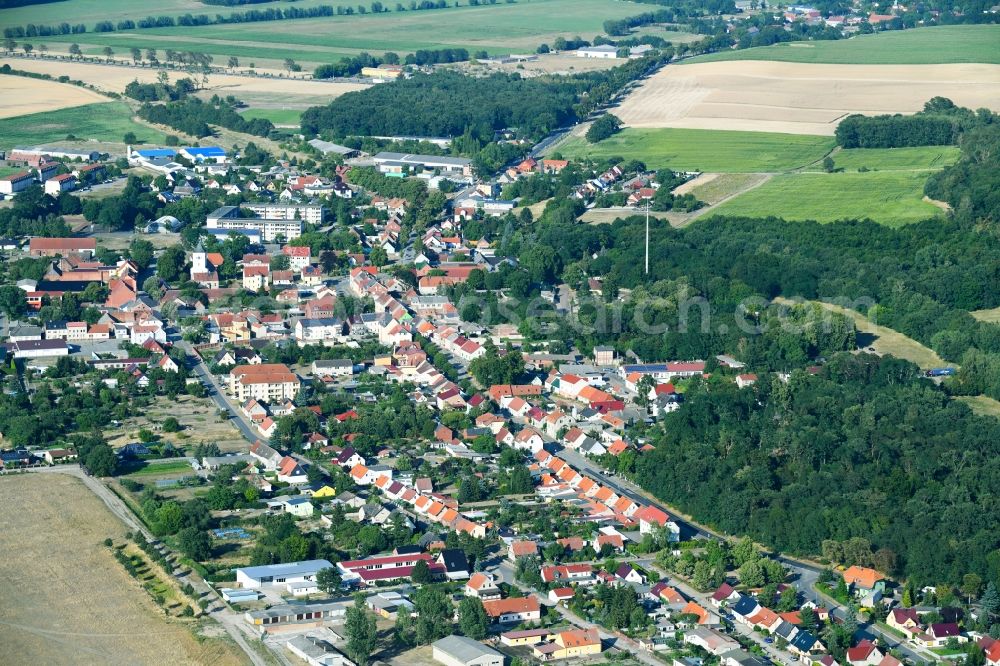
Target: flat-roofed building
[(280, 574), (394, 163), (227, 219)]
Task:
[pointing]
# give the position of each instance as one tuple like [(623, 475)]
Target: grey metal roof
[(408, 158), (288, 569), (464, 649)]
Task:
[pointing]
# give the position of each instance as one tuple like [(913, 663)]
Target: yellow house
[(574, 643), (324, 491)]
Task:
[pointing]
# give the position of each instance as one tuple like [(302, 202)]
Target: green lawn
[(919, 46), (160, 469), (895, 159), (276, 116), (891, 198), (499, 28), (704, 150), (107, 122)]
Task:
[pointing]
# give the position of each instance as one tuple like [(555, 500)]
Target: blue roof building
[(200, 154), (151, 153)]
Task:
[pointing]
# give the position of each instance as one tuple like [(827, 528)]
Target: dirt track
[(799, 98)]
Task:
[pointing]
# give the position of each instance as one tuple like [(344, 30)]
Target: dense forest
[(939, 123), (451, 104), (445, 104), (972, 185), (865, 449)]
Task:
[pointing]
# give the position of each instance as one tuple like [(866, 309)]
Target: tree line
[(193, 116), (246, 16)]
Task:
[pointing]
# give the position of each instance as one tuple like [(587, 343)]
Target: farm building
[(62, 153), (16, 182), (395, 163), (328, 148), (50, 247), (62, 183), (603, 51), (463, 651), (290, 572)]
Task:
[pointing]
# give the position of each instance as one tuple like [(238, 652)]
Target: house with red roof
[(864, 653), (521, 549)]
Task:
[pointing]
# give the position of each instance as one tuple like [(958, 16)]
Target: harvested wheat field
[(114, 78), (799, 98), (20, 96), (65, 599)]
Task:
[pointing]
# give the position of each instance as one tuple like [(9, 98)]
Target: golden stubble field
[(113, 78), (65, 600), (20, 96), (799, 98)]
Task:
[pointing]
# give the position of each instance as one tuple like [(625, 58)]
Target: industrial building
[(290, 572), (396, 163)]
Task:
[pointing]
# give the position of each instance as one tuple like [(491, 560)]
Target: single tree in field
[(234, 62), (27, 48), (74, 50), (108, 52), (9, 45), (136, 55), (151, 55), (289, 64)]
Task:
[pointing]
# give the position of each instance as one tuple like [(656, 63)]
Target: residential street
[(218, 394)]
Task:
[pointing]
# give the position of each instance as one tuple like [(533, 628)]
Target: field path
[(226, 619)]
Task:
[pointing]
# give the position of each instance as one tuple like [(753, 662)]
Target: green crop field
[(276, 116), (499, 28), (891, 198), (919, 46), (106, 122), (704, 150), (926, 158)]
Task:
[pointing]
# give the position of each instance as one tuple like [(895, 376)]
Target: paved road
[(218, 395), (505, 571), (227, 619)]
